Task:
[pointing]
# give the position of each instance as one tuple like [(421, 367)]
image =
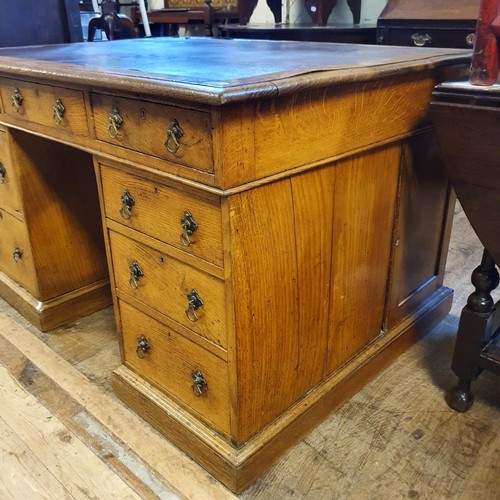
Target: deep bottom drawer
[(15, 253), (194, 377)]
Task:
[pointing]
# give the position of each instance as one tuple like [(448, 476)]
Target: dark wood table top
[(217, 70)]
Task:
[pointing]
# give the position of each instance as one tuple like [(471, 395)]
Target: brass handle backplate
[(189, 226), (115, 122), (58, 111), (174, 134), (200, 385), (16, 101), (135, 275), (194, 303), (2, 173), (127, 203), (142, 346), (17, 254), (421, 40)]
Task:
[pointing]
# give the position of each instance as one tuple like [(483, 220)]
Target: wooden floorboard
[(396, 438)]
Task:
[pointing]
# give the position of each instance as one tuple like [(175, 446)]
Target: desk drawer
[(38, 103), (15, 252), (176, 134), (9, 191), (167, 285), (159, 211), (174, 364)]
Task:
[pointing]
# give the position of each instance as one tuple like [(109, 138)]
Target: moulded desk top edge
[(222, 79)]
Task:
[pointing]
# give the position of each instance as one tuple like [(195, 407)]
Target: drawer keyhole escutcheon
[(142, 346), (127, 203), (16, 101), (58, 111), (194, 303), (174, 134), (2, 173), (17, 254), (421, 40), (135, 275), (189, 226), (114, 123), (200, 385)]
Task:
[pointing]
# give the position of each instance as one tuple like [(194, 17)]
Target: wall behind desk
[(370, 10)]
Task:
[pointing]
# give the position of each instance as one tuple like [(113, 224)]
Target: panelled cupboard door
[(420, 249)]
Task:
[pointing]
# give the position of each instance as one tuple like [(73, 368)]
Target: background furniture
[(282, 241), (428, 23), (208, 12), (332, 33), (26, 22), (467, 118), (320, 10), (116, 26)]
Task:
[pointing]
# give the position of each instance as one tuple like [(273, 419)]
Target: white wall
[(370, 10)]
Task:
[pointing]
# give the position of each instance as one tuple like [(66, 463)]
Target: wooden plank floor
[(63, 434)]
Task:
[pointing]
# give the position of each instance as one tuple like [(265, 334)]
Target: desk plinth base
[(235, 467), (59, 311)]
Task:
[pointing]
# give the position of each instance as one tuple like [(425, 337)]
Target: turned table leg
[(474, 330), (355, 6)]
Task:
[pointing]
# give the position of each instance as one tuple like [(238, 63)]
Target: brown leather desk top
[(216, 71)]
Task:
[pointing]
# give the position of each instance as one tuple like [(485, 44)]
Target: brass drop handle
[(200, 385), (115, 122), (189, 226), (194, 303), (135, 275), (421, 40), (17, 254), (58, 111), (16, 101), (142, 346), (174, 134), (2, 173), (127, 203)]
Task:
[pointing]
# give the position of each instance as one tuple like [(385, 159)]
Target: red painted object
[(484, 68)]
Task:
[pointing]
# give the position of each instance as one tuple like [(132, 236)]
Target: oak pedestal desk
[(276, 219)]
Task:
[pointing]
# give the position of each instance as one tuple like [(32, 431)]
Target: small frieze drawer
[(179, 218), (176, 134), (9, 192), (194, 377), (16, 259), (56, 107), (187, 295)]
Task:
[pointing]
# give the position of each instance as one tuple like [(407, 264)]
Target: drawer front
[(163, 213), (9, 191), (430, 37), (15, 253), (193, 376), (55, 107), (176, 134), (167, 285)]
